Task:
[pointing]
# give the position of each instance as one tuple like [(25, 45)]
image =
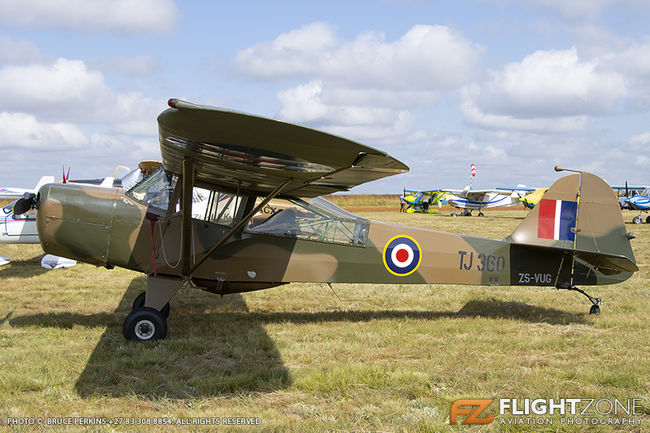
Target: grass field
[(370, 358)]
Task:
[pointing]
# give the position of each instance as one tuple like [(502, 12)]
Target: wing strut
[(186, 230), (241, 224)]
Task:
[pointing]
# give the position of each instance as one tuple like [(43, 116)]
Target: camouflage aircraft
[(245, 242)]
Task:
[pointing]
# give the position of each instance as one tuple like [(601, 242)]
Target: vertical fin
[(579, 212)]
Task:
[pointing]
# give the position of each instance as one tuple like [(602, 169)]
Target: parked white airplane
[(471, 199), (17, 229), (21, 228), (19, 192)]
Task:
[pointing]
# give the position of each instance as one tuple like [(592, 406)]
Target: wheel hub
[(145, 329)]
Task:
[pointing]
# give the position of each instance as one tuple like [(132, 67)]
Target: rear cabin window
[(217, 207), (316, 220)]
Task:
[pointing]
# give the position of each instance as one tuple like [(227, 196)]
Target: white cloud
[(548, 91), (142, 16), (19, 52), (67, 90), (476, 116), (552, 84), (425, 58), (21, 130), (312, 103), (362, 87), (62, 82), (637, 147)]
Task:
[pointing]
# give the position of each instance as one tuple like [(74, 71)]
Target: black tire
[(138, 302), (637, 219), (145, 324), (595, 310), (481, 214), (647, 220)]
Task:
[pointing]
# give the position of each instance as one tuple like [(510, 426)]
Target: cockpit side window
[(317, 220), (155, 190), (8, 209)]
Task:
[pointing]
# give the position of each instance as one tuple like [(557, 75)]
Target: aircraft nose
[(74, 221)]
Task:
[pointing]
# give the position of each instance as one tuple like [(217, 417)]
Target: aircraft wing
[(503, 189), (476, 194), (636, 187), (8, 193), (246, 153)]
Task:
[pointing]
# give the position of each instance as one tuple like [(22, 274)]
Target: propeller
[(26, 203)]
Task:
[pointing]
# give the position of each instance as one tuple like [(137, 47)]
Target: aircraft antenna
[(329, 284)]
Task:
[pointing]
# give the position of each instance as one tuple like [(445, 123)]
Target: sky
[(513, 86)]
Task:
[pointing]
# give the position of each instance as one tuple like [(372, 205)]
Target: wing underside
[(245, 153)]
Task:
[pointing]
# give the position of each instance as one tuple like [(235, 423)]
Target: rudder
[(579, 214)]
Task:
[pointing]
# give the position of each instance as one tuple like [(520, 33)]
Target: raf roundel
[(402, 255)]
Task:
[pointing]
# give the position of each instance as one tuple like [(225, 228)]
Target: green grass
[(380, 358)]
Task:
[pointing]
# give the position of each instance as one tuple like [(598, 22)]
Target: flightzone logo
[(402, 255), (543, 411), (472, 409)]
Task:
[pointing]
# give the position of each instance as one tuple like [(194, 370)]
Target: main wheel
[(145, 324), (595, 310), (647, 220), (637, 219), (138, 302), (481, 214)]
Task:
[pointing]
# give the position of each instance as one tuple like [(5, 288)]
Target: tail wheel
[(145, 324), (138, 302)]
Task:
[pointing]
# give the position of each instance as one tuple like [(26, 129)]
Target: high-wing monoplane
[(413, 201), (15, 228), (640, 202), (576, 235), (625, 192), (479, 199)]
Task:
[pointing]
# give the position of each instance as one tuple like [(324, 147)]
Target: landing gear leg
[(595, 307), (148, 319)]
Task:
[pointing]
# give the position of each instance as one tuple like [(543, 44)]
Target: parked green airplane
[(239, 240)]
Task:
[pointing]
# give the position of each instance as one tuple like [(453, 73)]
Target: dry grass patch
[(384, 359)]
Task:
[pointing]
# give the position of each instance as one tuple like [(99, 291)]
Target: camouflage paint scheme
[(107, 227)]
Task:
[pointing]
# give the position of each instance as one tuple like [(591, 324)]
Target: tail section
[(42, 181), (580, 216)]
